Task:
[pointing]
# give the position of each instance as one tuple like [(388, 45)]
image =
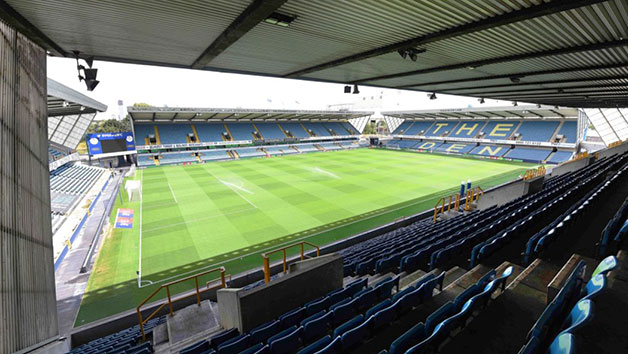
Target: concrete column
[(28, 315)]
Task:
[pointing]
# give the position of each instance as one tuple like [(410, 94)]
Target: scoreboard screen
[(102, 143)]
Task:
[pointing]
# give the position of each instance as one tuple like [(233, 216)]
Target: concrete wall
[(247, 309), (569, 167), (28, 312)]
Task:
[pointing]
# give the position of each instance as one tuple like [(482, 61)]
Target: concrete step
[(192, 320), (409, 279)]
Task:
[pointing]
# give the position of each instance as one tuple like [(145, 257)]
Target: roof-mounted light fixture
[(515, 79), (481, 100), (432, 96), (279, 19), (89, 74), (355, 89), (413, 53), (347, 89)]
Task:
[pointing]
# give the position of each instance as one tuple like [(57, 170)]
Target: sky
[(161, 86)]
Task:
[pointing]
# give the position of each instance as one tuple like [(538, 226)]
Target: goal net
[(133, 190)]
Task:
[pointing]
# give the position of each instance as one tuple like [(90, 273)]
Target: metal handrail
[(167, 286), (285, 264)]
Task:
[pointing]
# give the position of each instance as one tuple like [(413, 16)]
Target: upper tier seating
[(241, 131), (440, 128), (350, 128), (570, 131), (560, 156), (500, 130), (209, 132), (490, 150), (537, 130), (142, 131), (317, 128), (174, 133), (270, 131), (296, 129), (418, 127), (401, 129), (528, 154), (54, 154), (337, 128), (468, 129)]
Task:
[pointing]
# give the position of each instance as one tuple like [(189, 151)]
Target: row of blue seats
[(561, 198), (409, 248), (569, 312), (538, 131), (214, 132), (535, 155), (562, 226), (127, 341), (614, 232), (339, 311), (455, 314)]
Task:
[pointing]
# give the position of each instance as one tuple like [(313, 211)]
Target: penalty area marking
[(234, 188), (171, 191)]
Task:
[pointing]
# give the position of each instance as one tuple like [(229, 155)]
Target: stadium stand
[(214, 155), (142, 132), (401, 129), (500, 130), (174, 158), (296, 129), (490, 150), (69, 182), (349, 128), (270, 131), (441, 128), (468, 129), (241, 131), (54, 154), (528, 154), (560, 156), (317, 128), (569, 131), (174, 133), (337, 128), (250, 152), (537, 131), (210, 132), (455, 148), (417, 128)]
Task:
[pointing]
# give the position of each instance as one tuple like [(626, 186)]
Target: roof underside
[(69, 114), (610, 123), (159, 114), (561, 52), (518, 112)]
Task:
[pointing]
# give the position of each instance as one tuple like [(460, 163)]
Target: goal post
[(133, 190)]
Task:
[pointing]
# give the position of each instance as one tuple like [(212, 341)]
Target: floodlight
[(432, 96), (481, 100), (403, 53), (347, 89), (355, 89)]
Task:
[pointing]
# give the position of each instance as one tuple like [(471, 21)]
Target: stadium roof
[(610, 123), (517, 112), (561, 52), (167, 114), (69, 114)]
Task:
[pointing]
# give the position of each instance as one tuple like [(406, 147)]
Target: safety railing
[(285, 263), (533, 173), (170, 300), (454, 200), (473, 195)]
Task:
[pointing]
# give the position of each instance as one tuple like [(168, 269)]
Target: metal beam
[(489, 94), (487, 23), (547, 82), (505, 59), (519, 74), (22, 25), (246, 21)]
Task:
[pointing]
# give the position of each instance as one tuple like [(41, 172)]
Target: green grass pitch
[(227, 213)]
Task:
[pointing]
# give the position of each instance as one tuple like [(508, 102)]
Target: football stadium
[(428, 228)]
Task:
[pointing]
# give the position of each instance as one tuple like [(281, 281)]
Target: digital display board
[(102, 143)]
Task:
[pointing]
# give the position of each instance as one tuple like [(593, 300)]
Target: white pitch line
[(139, 272), (238, 187), (229, 185), (320, 170), (171, 191)]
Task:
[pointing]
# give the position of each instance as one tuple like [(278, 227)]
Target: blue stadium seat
[(594, 287), (258, 348), (316, 305), (537, 130), (436, 317), (196, 348), (564, 343), (317, 327), (373, 310), (261, 333), (333, 347), (292, 318), (283, 333), (337, 295), (316, 346), (366, 299), (607, 265), (570, 131), (531, 347), (467, 294), (579, 316), (345, 311), (356, 336), (350, 324), (384, 317), (287, 344), (235, 345), (429, 344), (222, 337), (384, 287), (414, 335)]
